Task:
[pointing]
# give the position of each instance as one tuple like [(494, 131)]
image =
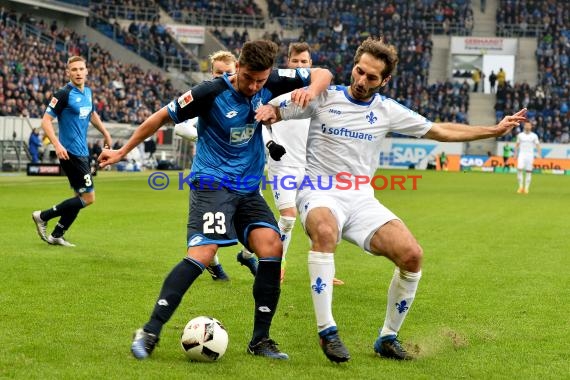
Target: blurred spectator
[(492, 81), (476, 78), (34, 145)]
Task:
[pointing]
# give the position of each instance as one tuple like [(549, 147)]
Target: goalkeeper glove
[(276, 151)]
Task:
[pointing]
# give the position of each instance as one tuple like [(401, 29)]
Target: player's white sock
[(321, 273), (286, 224), (247, 254), (401, 294), (527, 180), (520, 178), (215, 260)]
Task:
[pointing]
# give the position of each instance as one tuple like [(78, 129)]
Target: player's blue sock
[(266, 291), (75, 203), (175, 285)]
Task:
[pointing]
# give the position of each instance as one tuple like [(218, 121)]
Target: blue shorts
[(219, 216), (78, 172)]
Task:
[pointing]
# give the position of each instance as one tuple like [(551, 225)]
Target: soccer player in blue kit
[(226, 206), (73, 107)]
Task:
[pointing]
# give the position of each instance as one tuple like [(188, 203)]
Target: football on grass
[(204, 339)]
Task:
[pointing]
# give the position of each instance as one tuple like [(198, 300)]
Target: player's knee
[(411, 258), (269, 248), (324, 234), (88, 199)]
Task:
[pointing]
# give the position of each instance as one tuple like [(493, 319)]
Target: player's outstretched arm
[(320, 80), (144, 131), (462, 132)]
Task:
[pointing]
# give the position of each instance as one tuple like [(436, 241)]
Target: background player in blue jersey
[(226, 206), (73, 107)]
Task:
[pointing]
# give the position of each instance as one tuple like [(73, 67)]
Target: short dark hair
[(298, 47), (258, 55), (379, 50)]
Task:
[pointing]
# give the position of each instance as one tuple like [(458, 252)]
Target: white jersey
[(345, 134), (292, 134), (527, 142)]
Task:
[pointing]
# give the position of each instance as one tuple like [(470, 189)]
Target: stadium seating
[(145, 35), (33, 66), (335, 32), (548, 101), (231, 13)]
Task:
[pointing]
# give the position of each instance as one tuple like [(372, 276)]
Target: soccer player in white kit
[(527, 141), (292, 135), (345, 135)]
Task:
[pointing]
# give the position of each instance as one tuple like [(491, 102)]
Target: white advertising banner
[(547, 150), (404, 153), (188, 34), (484, 45)]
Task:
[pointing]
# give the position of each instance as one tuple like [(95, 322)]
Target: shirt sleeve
[(290, 110), (281, 81), (405, 121), (192, 103), (58, 102)]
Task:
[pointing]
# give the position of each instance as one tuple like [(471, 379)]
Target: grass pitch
[(492, 303)]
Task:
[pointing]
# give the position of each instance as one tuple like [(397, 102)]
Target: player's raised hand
[(302, 96), (511, 121), (109, 157), (266, 114)]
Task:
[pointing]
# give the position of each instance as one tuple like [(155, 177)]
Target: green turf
[(493, 301)]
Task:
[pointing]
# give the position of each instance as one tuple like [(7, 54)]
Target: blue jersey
[(73, 109), (230, 148)]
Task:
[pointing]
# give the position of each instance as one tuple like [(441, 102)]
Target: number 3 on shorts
[(88, 181), (214, 223)]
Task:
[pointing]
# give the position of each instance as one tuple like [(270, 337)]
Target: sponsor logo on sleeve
[(53, 102), (289, 73), (185, 99)]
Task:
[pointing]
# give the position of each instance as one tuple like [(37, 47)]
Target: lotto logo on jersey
[(241, 135), (53, 102), (185, 99)]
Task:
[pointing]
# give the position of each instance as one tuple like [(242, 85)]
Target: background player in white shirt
[(345, 135), (527, 141), (221, 62), (292, 135)]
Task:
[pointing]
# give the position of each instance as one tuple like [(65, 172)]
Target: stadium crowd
[(185, 10), (333, 28), (548, 101), (32, 69), (148, 38)]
